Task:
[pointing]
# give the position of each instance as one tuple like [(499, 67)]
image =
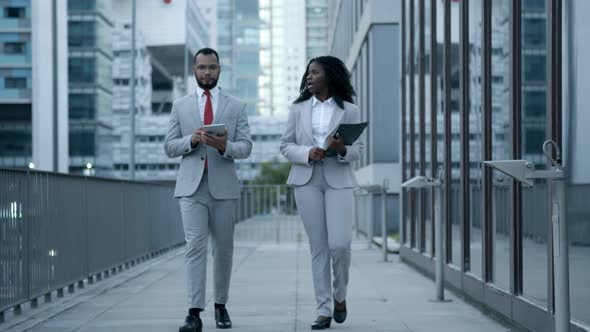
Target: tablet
[(217, 129)]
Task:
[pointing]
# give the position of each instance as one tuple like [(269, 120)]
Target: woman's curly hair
[(337, 80)]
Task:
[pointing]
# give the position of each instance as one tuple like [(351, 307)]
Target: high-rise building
[(149, 135), (208, 9), (282, 54), (90, 56), (225, 43), (246, 52), (266, 134), (316, 28), (238, 44), (164, 55), (33, 85)]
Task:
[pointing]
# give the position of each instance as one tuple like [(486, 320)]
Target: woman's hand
[(337, 144), (317, 154)]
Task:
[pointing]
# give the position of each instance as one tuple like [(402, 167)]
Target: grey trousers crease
[(203, 215), (327, 218)]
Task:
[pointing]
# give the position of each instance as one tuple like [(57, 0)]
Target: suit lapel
[(221, 107), (305, 111), (193, 112)]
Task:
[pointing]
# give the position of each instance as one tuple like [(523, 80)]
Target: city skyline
[(91, 90)]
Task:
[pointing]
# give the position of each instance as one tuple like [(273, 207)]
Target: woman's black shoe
[(339, 312), (191, 324), (222, 320), (321, 323)]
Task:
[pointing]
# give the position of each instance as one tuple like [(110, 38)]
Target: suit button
[(202, 158)]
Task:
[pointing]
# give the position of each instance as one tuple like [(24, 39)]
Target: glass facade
[(316, 25), (576, 136), (246, 50), (90, 85), (499, 237), (238, 38), (501, 144), (15, 83)]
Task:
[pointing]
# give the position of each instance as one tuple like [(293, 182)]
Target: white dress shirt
[(321, 114), (203, 99)]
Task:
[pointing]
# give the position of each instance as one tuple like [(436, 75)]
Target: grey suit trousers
[(203, 215), (327, 218)]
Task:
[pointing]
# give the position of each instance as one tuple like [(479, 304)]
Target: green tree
[(273, 172)]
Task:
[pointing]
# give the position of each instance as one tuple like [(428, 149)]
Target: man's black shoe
[(321, 323), (191, 324), (222, 320), (339, 312)]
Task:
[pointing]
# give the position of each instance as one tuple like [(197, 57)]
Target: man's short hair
[(206, 51)]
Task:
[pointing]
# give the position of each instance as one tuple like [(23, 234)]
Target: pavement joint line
[(119, 301), (34, 317)]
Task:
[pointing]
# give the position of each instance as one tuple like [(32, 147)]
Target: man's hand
[(196, 137), (337, 144), (317, 154), (218, 142)]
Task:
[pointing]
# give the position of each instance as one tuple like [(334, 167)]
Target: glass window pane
[(475, 135), (416, 138), (440, 129), (578, 189), (501, 141), (534, 127), (455, 133), (406, 72), (428, 230)]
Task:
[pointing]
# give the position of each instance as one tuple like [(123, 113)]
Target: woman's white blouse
[(321, 114)]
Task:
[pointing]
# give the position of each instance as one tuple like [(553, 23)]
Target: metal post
[(384, 218), (560, 257), (438, 234), (356, 215), (370, 213), (525, 172), (278, 199), (132, 90)]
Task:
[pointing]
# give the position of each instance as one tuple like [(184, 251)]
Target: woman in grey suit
[(323, 185)]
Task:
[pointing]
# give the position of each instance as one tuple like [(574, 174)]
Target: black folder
[(349, 132)]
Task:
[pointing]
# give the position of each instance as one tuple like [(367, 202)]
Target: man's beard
[(206, 86)]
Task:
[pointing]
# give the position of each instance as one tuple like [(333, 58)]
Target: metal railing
[(266, 199), (268, 213), (57, 230)]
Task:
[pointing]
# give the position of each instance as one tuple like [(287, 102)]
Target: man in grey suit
[(207, 184)]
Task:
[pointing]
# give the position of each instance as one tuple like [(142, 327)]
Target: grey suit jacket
[(184, 121), (298, 140)]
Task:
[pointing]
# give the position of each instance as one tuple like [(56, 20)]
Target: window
[(534, 104), (533, 33), (15, 83), (534, 68), (14, 12), (536, 5), (14, 48), (82, 143), (81, 34), (534, 138), (82, 106), (81, 70)]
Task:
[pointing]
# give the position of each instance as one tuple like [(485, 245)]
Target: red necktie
[(208, 117)]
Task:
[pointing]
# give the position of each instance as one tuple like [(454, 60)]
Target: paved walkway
[(271, 291)]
